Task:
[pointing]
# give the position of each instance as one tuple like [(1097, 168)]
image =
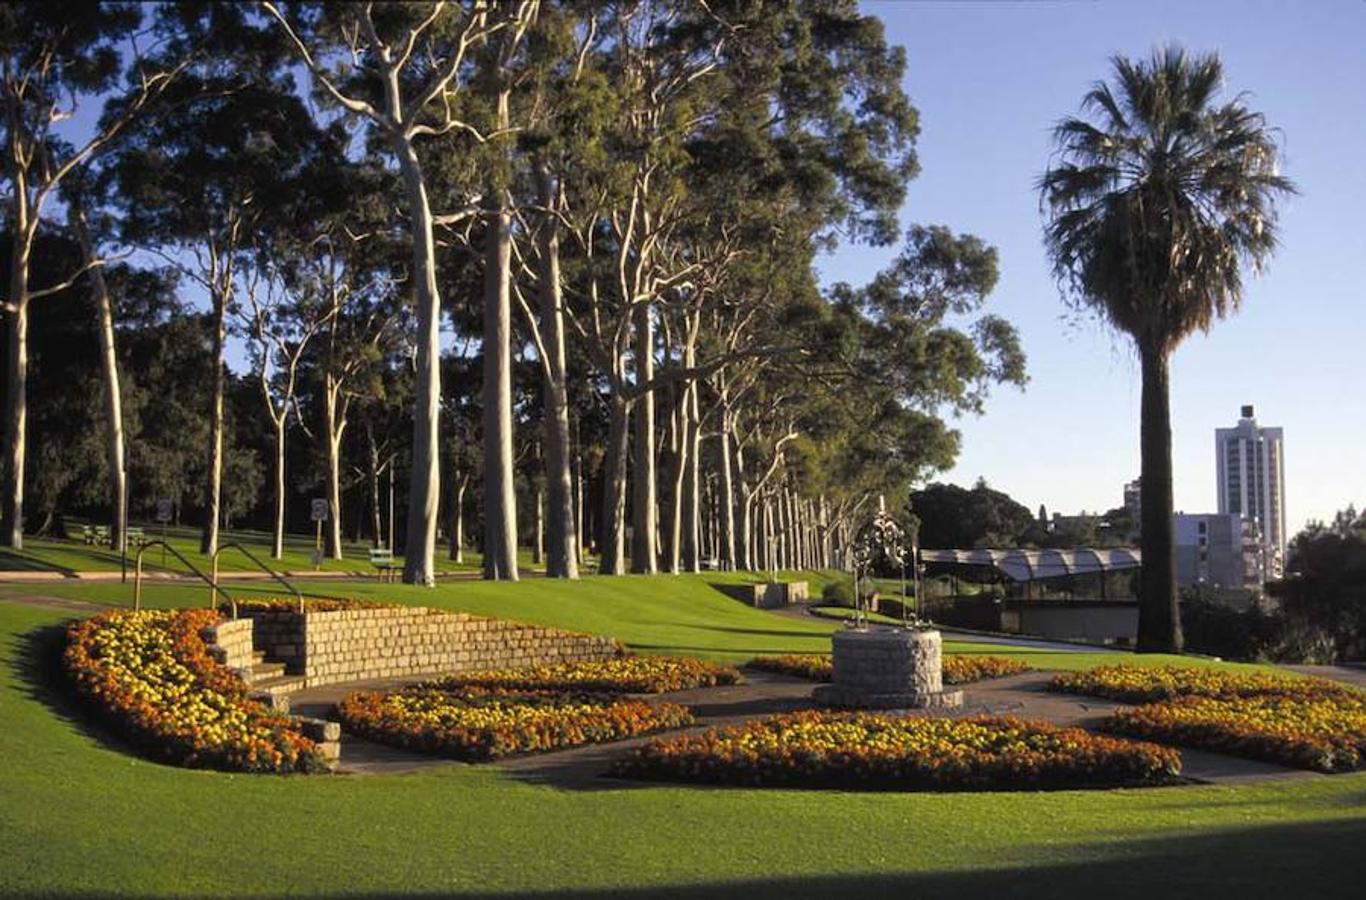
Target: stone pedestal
[(887, 668), (774, 594)]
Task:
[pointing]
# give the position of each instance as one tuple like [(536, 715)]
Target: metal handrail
[(137, 575), (260, 565)]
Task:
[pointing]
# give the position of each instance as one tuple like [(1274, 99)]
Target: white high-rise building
[(1251, 466)]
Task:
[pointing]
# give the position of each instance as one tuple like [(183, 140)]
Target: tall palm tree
[(1158, 196)]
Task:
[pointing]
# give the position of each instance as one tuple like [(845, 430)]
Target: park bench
[(382, 558), (101, 534), (87, 534), (136, 537)]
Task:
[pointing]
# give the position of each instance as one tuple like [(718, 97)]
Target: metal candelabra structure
[(884, 538)]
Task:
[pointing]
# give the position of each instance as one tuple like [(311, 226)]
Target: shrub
[(871, 751), (839, 592), (475, 723), (957, 669), (150, 676), (628, 674)]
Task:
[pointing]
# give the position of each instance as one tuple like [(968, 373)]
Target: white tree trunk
[(613, 558), (109, 369), (562, 559), (644, 496), (424, 486), (500, 500), (208, 541)]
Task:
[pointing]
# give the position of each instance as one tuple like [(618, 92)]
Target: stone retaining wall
[(230, 643), (359, 644)]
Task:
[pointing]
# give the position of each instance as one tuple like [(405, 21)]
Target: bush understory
[(881, 752)]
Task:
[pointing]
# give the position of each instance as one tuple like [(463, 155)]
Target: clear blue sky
[(990, 78)]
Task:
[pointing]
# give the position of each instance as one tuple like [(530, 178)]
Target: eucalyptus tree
[(219, 162), (403, 69), (279, 327), (1158, 197), (345, 264), (53, 59)]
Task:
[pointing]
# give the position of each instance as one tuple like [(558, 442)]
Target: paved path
[(765, 693), (1353, 675)]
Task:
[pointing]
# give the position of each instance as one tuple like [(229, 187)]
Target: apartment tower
[(1251, 476)]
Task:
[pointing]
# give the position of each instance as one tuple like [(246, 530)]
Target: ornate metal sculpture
[(883, 538)]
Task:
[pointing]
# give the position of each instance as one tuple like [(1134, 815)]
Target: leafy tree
[(952, 517), (1155, 204), (53, 58), (1326, 585), (400, 69)]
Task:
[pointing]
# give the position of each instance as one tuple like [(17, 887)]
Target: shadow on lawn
[(18, 562), (1319, 860), (38, 665)]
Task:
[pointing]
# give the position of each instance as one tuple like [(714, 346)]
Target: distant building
[(1133, 498), (1220, 551), (1250, 462)]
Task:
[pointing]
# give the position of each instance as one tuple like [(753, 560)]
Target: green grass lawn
[(80, 817), (697, 615), (68, 556)]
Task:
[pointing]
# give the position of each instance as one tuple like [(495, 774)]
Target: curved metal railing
[(260, 565), (214, 589)]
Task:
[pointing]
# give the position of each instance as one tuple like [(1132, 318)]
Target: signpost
[(319, 511), (165, 512)]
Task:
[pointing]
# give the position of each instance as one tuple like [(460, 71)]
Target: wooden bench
[(87, 534), (137, 537), (101, 534), (382, 558)]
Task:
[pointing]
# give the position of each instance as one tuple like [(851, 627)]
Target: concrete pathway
[(1353, 675)]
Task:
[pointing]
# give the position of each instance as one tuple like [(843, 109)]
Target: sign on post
[(165, 510), (319, 511)]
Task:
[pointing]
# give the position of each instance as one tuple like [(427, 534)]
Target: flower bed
[(871, 751), (628, 675), (149, 674), (290, 605), (1141, 684), (957, 669), (476, 723), (1311, 723), (1325, 733)]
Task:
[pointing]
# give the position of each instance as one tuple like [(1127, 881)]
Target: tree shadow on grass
[(18, 562), (1322, 860), (37, 661), (740, 593)]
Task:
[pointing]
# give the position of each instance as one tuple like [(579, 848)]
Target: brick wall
[(358, 644), (230, 642)]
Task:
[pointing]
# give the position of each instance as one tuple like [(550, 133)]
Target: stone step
[(274, 692), (258, 656), (263, 671)]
